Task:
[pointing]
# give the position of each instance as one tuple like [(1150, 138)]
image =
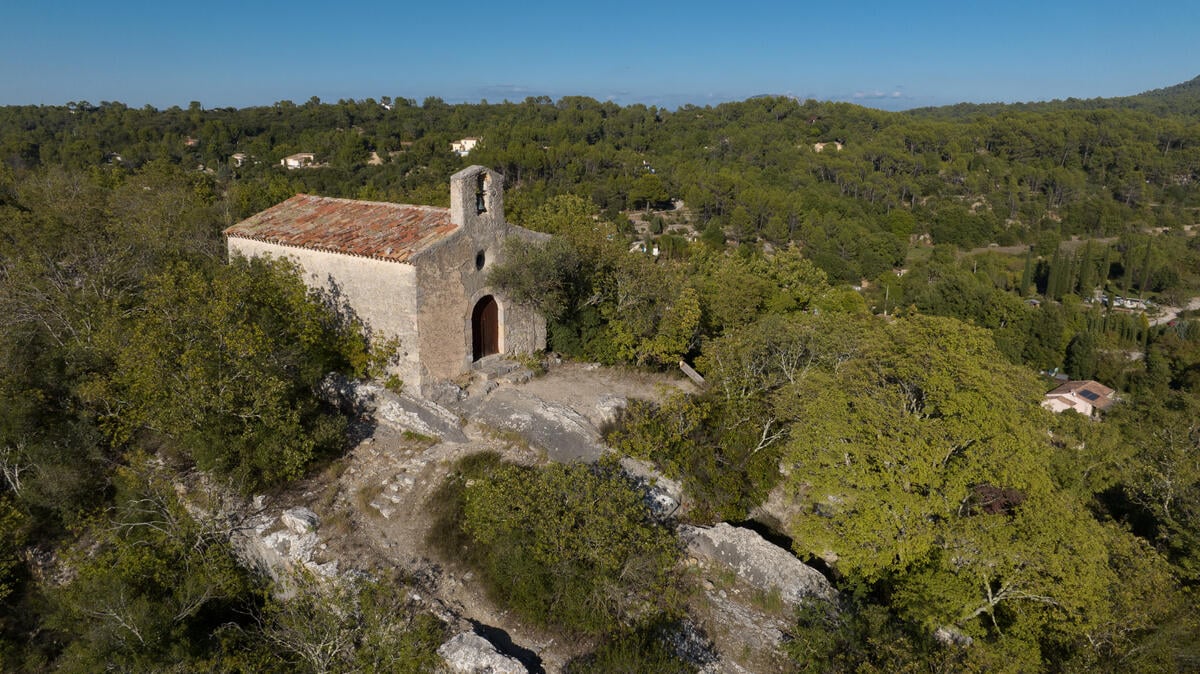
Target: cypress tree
[(1087, 272), (1027, 276)]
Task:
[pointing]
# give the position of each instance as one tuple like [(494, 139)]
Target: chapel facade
[(416, 273)]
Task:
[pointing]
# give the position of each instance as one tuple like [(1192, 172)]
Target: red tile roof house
[(417, 273), (1085, 396)]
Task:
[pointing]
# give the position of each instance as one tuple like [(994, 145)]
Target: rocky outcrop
[(758, 562), (417, 415), (565, 434), (300, 520), (399, 410), (742, 632), (470, 653), (662, 495), (278, 545), (608, 410)]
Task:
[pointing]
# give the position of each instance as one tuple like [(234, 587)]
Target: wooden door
[(485, 328)]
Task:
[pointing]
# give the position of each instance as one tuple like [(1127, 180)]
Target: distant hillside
[(1179, 99), (1187, 92)]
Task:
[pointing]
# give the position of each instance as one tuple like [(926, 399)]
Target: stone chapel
[(417, 273)]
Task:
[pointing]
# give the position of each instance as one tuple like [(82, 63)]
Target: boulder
[(609, 409), (758, 562), (445, 393), (277, 546), (346, 394), (470, 653), (300, 520), (951, 636)]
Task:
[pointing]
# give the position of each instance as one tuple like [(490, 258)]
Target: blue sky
[(891, 55)]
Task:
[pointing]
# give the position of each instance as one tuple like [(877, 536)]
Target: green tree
[(922, 464), (724, 443), (224, 364), (1081, 359), (12, 538), (153, 585), (1163, 478), (570, 546), (677, 333), (648, 190)]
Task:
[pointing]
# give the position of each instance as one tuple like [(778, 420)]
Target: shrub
[(636, 652), (571, 546)]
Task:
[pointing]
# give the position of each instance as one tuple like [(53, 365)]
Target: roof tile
[(384, 231)]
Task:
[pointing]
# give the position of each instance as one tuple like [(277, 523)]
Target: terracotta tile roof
[(1097, 394), (375, 229)]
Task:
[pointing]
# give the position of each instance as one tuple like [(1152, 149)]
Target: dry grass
[(365, 496)]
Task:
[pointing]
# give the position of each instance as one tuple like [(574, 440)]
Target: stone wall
[(450, 284), (382, 294), (452, 280), (463, 208)]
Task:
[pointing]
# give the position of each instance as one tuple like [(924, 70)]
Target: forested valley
[(877, 302)]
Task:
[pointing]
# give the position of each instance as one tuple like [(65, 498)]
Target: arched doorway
[(485, 328)]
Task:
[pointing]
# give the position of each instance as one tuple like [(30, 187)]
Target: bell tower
[(477, 198)]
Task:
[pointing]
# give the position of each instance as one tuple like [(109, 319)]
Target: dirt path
[(1167, 314)]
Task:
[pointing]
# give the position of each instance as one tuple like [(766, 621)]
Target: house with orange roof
[(1085, 396), (415, 273)]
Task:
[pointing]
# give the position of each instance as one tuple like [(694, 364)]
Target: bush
[(643, 651), (351, 624), (706, 444), (571, 546)]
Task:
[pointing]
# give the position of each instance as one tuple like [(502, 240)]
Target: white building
[(298, 160), (414, 273), (464, 146)]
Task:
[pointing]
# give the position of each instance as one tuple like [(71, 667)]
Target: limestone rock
[(446, 393), (410, 413), (565, 434), (758, 562), (951, 636), (345, 394), (300, 520), (470, 653), (278, 544), (404, 410), (662, 494), (742, 632), (691, 645), (609, 409)]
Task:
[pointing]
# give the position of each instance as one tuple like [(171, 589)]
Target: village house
[(416, 273), (1085, 396), (464, 146), (298, 160)]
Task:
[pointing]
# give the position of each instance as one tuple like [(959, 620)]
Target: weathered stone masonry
[(417, 273)]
